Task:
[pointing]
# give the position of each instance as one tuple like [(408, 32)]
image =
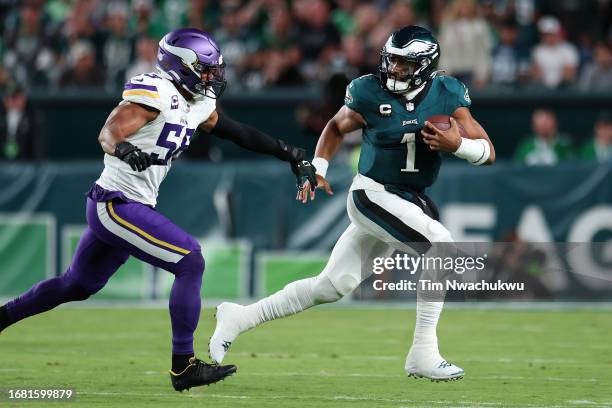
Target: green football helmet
[(408, 59)]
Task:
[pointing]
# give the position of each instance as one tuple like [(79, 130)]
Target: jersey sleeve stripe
[(135, 92), (131, 85)]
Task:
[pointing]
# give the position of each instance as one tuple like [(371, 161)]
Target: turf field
[(321, 358)]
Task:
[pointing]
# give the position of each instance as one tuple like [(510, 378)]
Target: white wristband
[(320, 165), (475, 151)]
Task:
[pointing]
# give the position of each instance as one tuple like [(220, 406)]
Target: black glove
[(304, 171), (136, 158)]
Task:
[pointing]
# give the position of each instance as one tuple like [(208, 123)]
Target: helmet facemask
[(213, 81), (402, 74)]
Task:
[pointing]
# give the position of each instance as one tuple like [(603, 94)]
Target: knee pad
[(323, 290), (192, 263)]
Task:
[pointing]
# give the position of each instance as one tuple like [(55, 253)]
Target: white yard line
[(605, 404), (412, 403)]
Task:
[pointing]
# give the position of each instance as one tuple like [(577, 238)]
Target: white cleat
[(226, 331), (430, 364)]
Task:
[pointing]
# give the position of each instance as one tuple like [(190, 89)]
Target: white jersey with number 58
[(164, 138)]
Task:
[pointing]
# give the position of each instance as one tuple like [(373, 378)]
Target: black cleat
[(200, 373)]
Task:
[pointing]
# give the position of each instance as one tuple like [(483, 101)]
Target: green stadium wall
[(253, 227)]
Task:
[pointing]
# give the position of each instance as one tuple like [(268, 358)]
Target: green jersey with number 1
[(393, 151)]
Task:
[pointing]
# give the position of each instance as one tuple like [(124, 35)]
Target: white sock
[(427, 316), (293, 298)]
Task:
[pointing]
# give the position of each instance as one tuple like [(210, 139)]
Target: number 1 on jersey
[(410, 140)]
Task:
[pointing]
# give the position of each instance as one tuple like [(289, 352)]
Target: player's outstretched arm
[(123, 121), (344, 121), (221, 125)]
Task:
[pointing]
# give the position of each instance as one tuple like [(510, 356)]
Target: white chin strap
[(397, 86)]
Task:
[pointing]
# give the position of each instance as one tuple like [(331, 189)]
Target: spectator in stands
[(466, 40), (510, 62), (344, 16), (84, 23), (597, 76), (146, 61), (524, 12), (117, 51), (318, 38), (366, 18), (600, 147), (21, 127), (146, 20), (280, 57), (28, 36), (555, 60), (546, 146), (198, 15), (234, 39), (399, 15), (83, 70), (57, 10), (4, 76), (356, 59)]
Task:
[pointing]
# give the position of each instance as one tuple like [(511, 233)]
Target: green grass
[(321, 358)]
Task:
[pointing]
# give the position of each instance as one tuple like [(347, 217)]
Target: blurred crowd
[(510, 43), (526, 44), (548, 145)]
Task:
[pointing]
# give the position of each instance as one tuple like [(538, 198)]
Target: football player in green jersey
[(387, 206)]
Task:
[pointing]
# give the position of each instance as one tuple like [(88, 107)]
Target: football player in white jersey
[(142, 135)]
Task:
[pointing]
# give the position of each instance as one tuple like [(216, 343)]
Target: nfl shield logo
[(410, 106)]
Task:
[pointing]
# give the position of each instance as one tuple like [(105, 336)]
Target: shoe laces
[(202, 365)]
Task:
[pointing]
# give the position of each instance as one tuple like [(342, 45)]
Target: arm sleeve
[(252, 139)]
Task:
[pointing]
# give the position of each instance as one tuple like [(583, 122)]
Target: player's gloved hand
[(304, 171), (136, 158), (309, 192)]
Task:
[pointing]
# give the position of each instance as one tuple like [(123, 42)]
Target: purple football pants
[(117, 229)]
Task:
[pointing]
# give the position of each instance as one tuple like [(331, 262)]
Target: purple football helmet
[(192, 60)]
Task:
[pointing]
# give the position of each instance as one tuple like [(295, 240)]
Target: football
[(442, 122)]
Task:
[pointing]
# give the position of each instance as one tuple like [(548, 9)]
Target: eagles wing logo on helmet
[(420, 47)]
